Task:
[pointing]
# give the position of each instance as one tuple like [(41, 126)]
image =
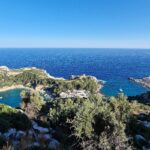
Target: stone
[(16, 144), (144, 148), (36, 144), (30, 132), (38, 128), (11, 132), (139, 138), (34, 123), (20, 134), (33, 144), (53, 144), (146, 124), (44, 137), (47, 136), (41, 129)]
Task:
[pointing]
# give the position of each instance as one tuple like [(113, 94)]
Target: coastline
[(8, 88)]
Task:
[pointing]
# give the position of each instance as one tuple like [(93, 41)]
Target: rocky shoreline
[(142, 81), (145, 82), (4, 89)]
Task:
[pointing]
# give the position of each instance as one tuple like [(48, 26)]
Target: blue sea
[(111, 65)]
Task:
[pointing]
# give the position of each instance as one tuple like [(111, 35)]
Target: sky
[(75, 23)]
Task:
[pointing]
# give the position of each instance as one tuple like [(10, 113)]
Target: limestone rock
[(54, 144)]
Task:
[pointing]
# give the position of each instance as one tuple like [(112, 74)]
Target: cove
[(11, 97)]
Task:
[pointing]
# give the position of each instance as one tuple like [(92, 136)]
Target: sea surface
[(111, 65), (11, 97)]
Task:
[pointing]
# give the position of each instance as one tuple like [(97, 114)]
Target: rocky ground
[(35, 136)]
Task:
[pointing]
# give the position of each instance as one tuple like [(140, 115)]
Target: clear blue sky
[(75, 23)]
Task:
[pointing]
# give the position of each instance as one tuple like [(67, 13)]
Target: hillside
[(70, 114)]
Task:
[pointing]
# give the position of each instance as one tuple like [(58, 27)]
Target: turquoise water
[(112, 65), (11, 97)]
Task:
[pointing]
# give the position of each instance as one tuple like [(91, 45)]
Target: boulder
[(41, 129), (53, 144), (146, 124), (20, 134), (139, 138), (33, 144), (38, 128), (30, 132), (9, 133), (47, 136)]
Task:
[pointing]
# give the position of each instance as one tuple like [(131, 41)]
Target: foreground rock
[(36, 136), (142, 132)]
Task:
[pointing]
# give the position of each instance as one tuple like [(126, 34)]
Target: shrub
[(121, 107), (12, 118), (32, 102), (63, 109), (96, 123)]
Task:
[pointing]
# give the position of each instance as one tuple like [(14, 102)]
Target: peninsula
[(142, 81)]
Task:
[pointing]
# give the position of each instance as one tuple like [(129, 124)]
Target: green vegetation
[(32, 102), (93, 123), (80, 83), (33, 77), (30, 77), (12, 118)]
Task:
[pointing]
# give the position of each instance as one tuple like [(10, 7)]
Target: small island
[(69, 114)]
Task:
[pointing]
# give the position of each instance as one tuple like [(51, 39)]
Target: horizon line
[(74, 47)]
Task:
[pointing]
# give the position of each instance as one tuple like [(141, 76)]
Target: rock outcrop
[(35, 136)]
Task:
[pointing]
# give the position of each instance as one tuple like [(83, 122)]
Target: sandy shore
[(6, 88)]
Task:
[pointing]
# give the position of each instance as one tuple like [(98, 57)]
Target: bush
[(80, 83), (121, 107), (98, 124), (32, 102), (12, 118), (95, 123)]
